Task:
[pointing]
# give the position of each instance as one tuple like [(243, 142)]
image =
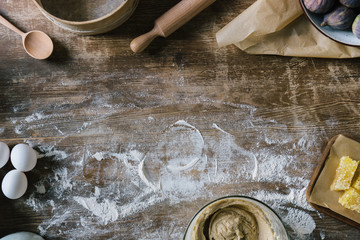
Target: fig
[(319, 6), (340, 18), (356, 26), (350, 3)]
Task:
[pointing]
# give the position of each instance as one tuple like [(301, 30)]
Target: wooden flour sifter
[(170, 21)]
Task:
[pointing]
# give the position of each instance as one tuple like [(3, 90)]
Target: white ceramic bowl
[(342, 36), (276, 224)]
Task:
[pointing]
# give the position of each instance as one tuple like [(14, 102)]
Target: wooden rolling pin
[(170, 21)]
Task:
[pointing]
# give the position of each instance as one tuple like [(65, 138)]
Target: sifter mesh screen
[(80, 10)]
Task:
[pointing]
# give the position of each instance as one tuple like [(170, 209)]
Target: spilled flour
[(106, 210), (99, 187), (300, 221)]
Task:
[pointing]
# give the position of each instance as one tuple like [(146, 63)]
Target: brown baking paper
[(279, 27), (321, 193)]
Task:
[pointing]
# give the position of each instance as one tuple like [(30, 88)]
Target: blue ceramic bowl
[(342, 36)]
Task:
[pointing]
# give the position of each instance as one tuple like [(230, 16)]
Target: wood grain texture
[(93, 94)]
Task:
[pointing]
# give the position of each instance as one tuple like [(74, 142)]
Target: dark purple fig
[(319, 6), (350, 3), (340, 18), (356, 26)]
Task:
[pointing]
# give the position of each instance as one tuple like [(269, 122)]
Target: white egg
[(14, 184), (4, 154), (23, 157), (22, 236)]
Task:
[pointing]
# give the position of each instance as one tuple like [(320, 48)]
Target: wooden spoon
[(36, 43), (170, 21)]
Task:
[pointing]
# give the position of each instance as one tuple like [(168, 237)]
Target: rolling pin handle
[(140, 43)]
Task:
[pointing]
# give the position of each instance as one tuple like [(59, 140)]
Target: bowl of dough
[(236, 217), (339, 20), (87, 17)]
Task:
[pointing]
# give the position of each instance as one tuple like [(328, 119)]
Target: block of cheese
[(344, 174), (350, 199)]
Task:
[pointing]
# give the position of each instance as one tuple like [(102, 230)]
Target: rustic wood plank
[(95, 96)]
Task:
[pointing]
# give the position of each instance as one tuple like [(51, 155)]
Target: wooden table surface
[(101, 116)]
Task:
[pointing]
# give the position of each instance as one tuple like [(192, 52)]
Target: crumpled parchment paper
[(279, 27)]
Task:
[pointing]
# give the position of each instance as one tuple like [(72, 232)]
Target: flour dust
[(105, 185)]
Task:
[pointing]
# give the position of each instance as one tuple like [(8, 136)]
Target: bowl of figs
[(336, 19)]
